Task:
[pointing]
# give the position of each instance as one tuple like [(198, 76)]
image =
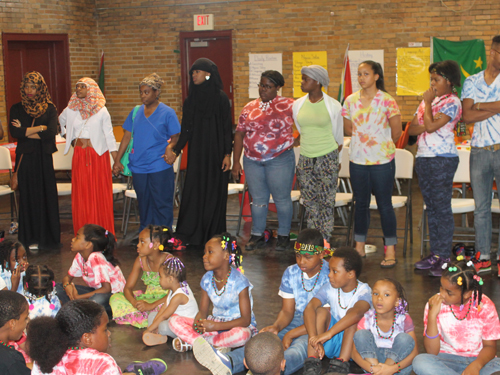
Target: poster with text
[(301, 59), (258, 63), (412, 74), (357, 57)]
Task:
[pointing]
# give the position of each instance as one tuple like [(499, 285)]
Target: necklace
[(74, 348), (338, 294), (225, 283), (317, 101), (265, 105), (8, 346), (466, 315), (315, 282), (392, 329)]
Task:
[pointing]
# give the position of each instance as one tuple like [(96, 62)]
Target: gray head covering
[(318, 73)]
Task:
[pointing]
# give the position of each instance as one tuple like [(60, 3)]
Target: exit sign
[(203, 22)]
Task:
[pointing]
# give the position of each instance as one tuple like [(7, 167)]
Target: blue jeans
[(435, 178), (155, 195), (401, 348), (484, 166), (378, 179), (295, 355), (449, 364), (100, 298), (163, 327), (268, 177)]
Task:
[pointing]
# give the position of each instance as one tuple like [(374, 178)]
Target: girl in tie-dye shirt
[(373, 119), (437, 159)]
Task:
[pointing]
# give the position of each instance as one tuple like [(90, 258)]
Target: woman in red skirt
[(87, 125)]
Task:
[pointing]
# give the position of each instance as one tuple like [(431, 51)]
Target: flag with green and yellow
[(470, 55)]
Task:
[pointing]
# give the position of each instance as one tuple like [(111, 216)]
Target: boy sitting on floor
[(331, 332), (264, 354)]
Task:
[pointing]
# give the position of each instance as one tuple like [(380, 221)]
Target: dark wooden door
[(45, 53)]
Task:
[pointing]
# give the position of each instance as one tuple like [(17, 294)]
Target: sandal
[(152, 339), (390, 265), (184, 346)]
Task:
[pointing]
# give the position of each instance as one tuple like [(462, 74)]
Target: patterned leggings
[(318, 188), (234, 338)]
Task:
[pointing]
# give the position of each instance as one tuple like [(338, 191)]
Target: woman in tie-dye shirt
[(437, 159), (373, 119)]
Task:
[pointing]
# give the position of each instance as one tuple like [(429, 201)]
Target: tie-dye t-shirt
[(465, 337), (371, 141), (442, 141), (268, 133), (486, 132)]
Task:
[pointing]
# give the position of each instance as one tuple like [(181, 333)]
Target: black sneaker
[(312, 366), (282, 243), (255, 242), (337, 367)]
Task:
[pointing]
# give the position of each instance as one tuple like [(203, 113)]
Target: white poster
[(357, 57), (258, 63)]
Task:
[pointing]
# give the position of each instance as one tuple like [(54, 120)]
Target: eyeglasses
[(265, 87)]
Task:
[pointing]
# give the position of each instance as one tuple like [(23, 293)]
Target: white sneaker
[(211, 358)]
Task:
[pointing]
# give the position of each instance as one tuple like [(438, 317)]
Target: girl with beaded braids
[(133, 307), (40, 291), (385, 341), (180, 302), (232, 321), (461, 326)]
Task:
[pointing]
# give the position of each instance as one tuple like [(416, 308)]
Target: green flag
[(470, 55), (101, 74)]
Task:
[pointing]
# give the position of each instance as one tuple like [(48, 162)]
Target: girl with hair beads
[(180, 302), (95, 264), (461, 326), (75, 343), (232, 322), (40, 291), (13, 263), (385, 342), (133, 307)]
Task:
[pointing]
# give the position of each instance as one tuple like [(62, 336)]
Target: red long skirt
[(92, 189)]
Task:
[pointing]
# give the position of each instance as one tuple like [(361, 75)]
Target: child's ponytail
[(463, 273), (39, 282), (102, 240), (229, 244), (163, 235)]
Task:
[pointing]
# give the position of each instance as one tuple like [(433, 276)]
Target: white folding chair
[(458, 205), (63, 163), (6, 164)]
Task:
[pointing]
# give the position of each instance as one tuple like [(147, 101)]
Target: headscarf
[(92, 103), (318, 73), (154, 81), (36, 106)]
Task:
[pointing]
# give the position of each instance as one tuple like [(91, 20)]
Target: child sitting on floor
[(14, 316), (40, 292), (232, 322), (96, 265), (331, 332), (461, 326), (385, 341), (13, 263), (264, 355), (75, 342), (180, 302), (133, 307)]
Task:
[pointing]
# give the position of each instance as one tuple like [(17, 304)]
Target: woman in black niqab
[(207, 128)]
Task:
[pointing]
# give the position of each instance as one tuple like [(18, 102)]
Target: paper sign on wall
[(258, 63), (301, 59), (412, 74), (357, 57)]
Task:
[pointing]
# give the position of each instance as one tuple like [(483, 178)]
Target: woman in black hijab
[(207, 127)]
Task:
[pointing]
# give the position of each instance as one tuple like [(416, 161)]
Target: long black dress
[(204, 198), (38, 204)]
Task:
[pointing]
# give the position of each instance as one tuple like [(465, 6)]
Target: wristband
[(399, 368), (65, 285), (431, 337), (477, 106)]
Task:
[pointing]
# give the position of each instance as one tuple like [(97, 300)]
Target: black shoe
[(312, 366), (337, 367), (255, 242), (282, 243)]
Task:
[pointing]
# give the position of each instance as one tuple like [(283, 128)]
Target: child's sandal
[(183, 346)]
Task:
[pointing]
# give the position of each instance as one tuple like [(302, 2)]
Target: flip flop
[(152, 339), (391, 265), (184, 346)]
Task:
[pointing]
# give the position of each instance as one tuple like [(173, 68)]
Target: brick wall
[(140, 37)]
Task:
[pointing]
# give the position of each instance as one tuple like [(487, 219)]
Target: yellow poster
[(301, 59), (412, 76)]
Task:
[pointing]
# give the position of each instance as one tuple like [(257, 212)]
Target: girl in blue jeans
[(385, 342)]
